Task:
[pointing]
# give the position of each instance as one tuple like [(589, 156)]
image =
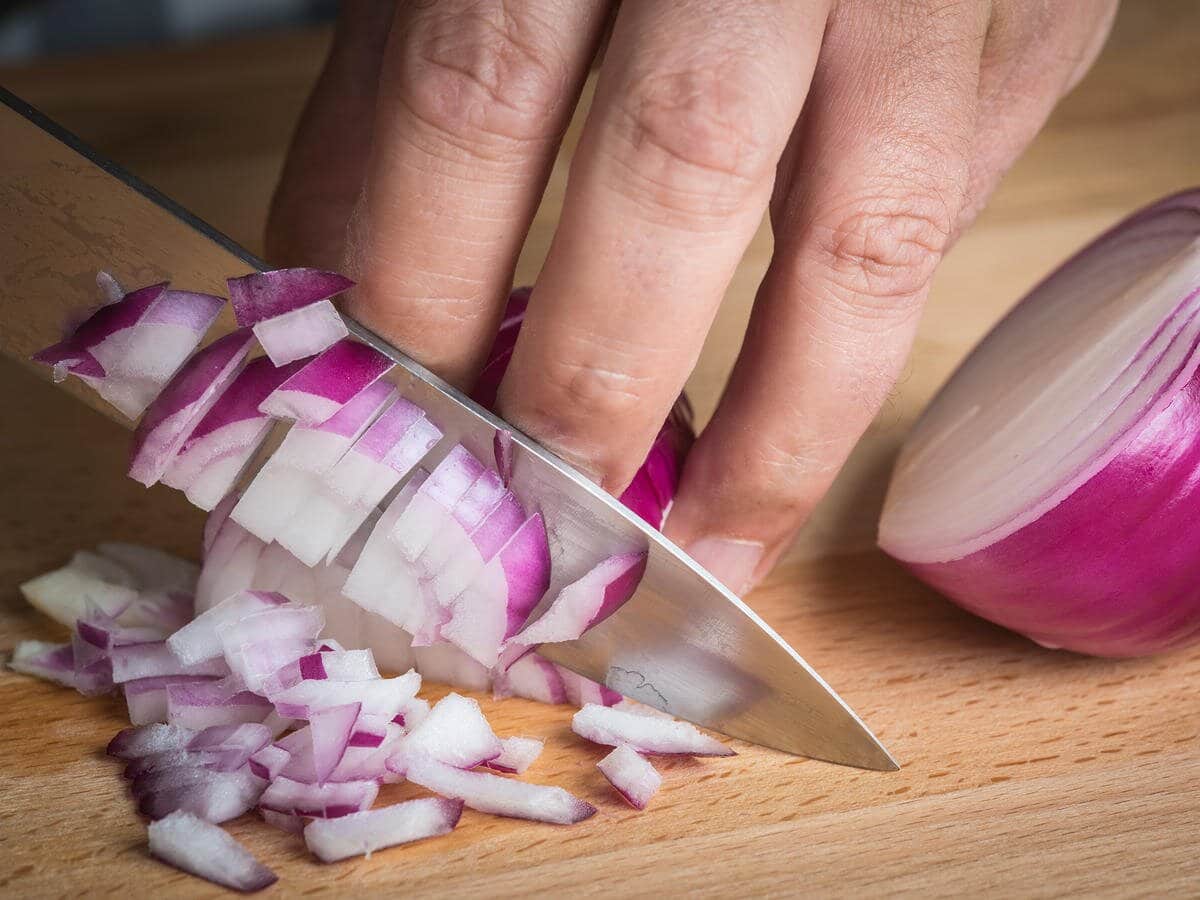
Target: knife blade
[(683, 643)]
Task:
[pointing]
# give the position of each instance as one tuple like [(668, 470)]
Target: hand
[(872, 130)]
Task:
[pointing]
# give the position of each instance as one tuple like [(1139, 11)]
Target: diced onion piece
[(202, 849), (631, 774), (200, 639), (363, 833), (534, 678), (301, 332), (588, 601), (516, 755), (52, 662), (498, 795), (134, 742), (202, 705), (327, 383), (335, 665), (455, 732), (62, 593), (154, 659), (183, 403), (330, 729), (146, 698), (283, 821), (646, 734), (248, 737), (260, 296), (208, 794), (381, 697), (319, 801), (268, 762)]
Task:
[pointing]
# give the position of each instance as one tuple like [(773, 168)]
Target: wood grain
[(1026, 772)]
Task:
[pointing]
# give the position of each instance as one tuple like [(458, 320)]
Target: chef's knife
[(683, 643)]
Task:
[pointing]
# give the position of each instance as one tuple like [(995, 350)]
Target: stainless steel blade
[(683, 644)]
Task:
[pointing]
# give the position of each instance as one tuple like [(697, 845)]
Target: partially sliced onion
[(646, 734), (498, 795), (327, 383), (363, 833), (591, 599), (456, 733), (183, 403), (213, 457), (200, 639), (294, 471), (1050, 486), (631, 774), (318, 801), (517, 754), (200, 848)]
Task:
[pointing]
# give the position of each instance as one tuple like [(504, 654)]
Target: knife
[(683, 643)]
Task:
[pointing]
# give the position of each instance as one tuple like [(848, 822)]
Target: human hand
[(872, 130)]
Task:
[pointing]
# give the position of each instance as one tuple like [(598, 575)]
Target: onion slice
[(631, 774), (362, 833), (200, 848), (517, 754), (327, 383), (646, 734), (456, 733), (318, 801), (588, 601)]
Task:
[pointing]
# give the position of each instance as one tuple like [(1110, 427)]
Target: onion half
[(1053, 484)]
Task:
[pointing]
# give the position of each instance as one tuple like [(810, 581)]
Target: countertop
[(1025, 771)]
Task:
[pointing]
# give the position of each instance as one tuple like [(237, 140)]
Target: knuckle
[(480, 73), (881, 252), (697, 140)]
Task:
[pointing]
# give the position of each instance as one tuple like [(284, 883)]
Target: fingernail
[(731, 562)]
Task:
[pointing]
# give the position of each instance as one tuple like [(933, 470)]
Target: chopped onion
[(456, 733), (498, 795), (1050, 485), (517, 754), (330, 730), (283, 821), (200, 705), (631, 774), (381, 697), (200, 848), (134, 742), (154, 659), (318, 801), (301, 333), (247, 737), (152, 569), (363, 833), (208, 794), (327, 383), (52, 662), (447, 664), (534, 678), (591, 599), (146, 698), (200, 639), (183, 403), (260, 296), (646, 734), (62, 593), (269, 762), (335, 665)]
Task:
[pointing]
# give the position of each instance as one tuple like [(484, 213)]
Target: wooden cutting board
[(1025, 771)]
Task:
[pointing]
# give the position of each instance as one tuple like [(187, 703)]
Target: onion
[(646, 734), (210, 795), (269, 762), (591, 599), (384, 697), (53, 662), (183, 403), (455, 732), (516, 755), (212, 458), (154, 659), (330, 730), (200, 639), (201, 705), (134, 742), (631, 774), (152, 569), (318, 801), (1050, 485), (146, 698), (498, 795), (327, 383), (290, 310), (362, 833), (203, 849)]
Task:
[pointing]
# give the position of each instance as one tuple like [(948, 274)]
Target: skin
[(871, 131)]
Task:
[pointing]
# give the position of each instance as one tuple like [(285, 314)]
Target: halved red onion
[(355, 485), (455, 732), (517, 754), (134, 742), (631, 774), (498, 795), (154, 659), (500, 598), (381, 697), (363, 833), (1050, 485), (294, 471), (156, 349), (646, 734), (327, 383), (330, 730), (101, 337), (587, 601), (212, 458), (52, 662), (269, 762), (183, 403), (200, 705), (200, 639), (202, 849), (318, 801)]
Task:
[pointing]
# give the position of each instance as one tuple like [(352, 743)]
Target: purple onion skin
[(1113, 570), (654, 486)]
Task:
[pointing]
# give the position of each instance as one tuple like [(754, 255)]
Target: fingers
[(327, 159), (670, 180), (473, 98), (880, 168)]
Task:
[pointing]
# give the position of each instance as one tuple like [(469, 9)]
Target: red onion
[(646, 734), (330, 730), (1050, 486), (146, 698), (587, 601), (365, 832), (327, 383), (456, 733), (203, 849), (134, 742), (318, 801), (631, 774), (517, 754), (290, 310)]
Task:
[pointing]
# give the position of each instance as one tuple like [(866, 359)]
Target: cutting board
[(1025, 771)]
